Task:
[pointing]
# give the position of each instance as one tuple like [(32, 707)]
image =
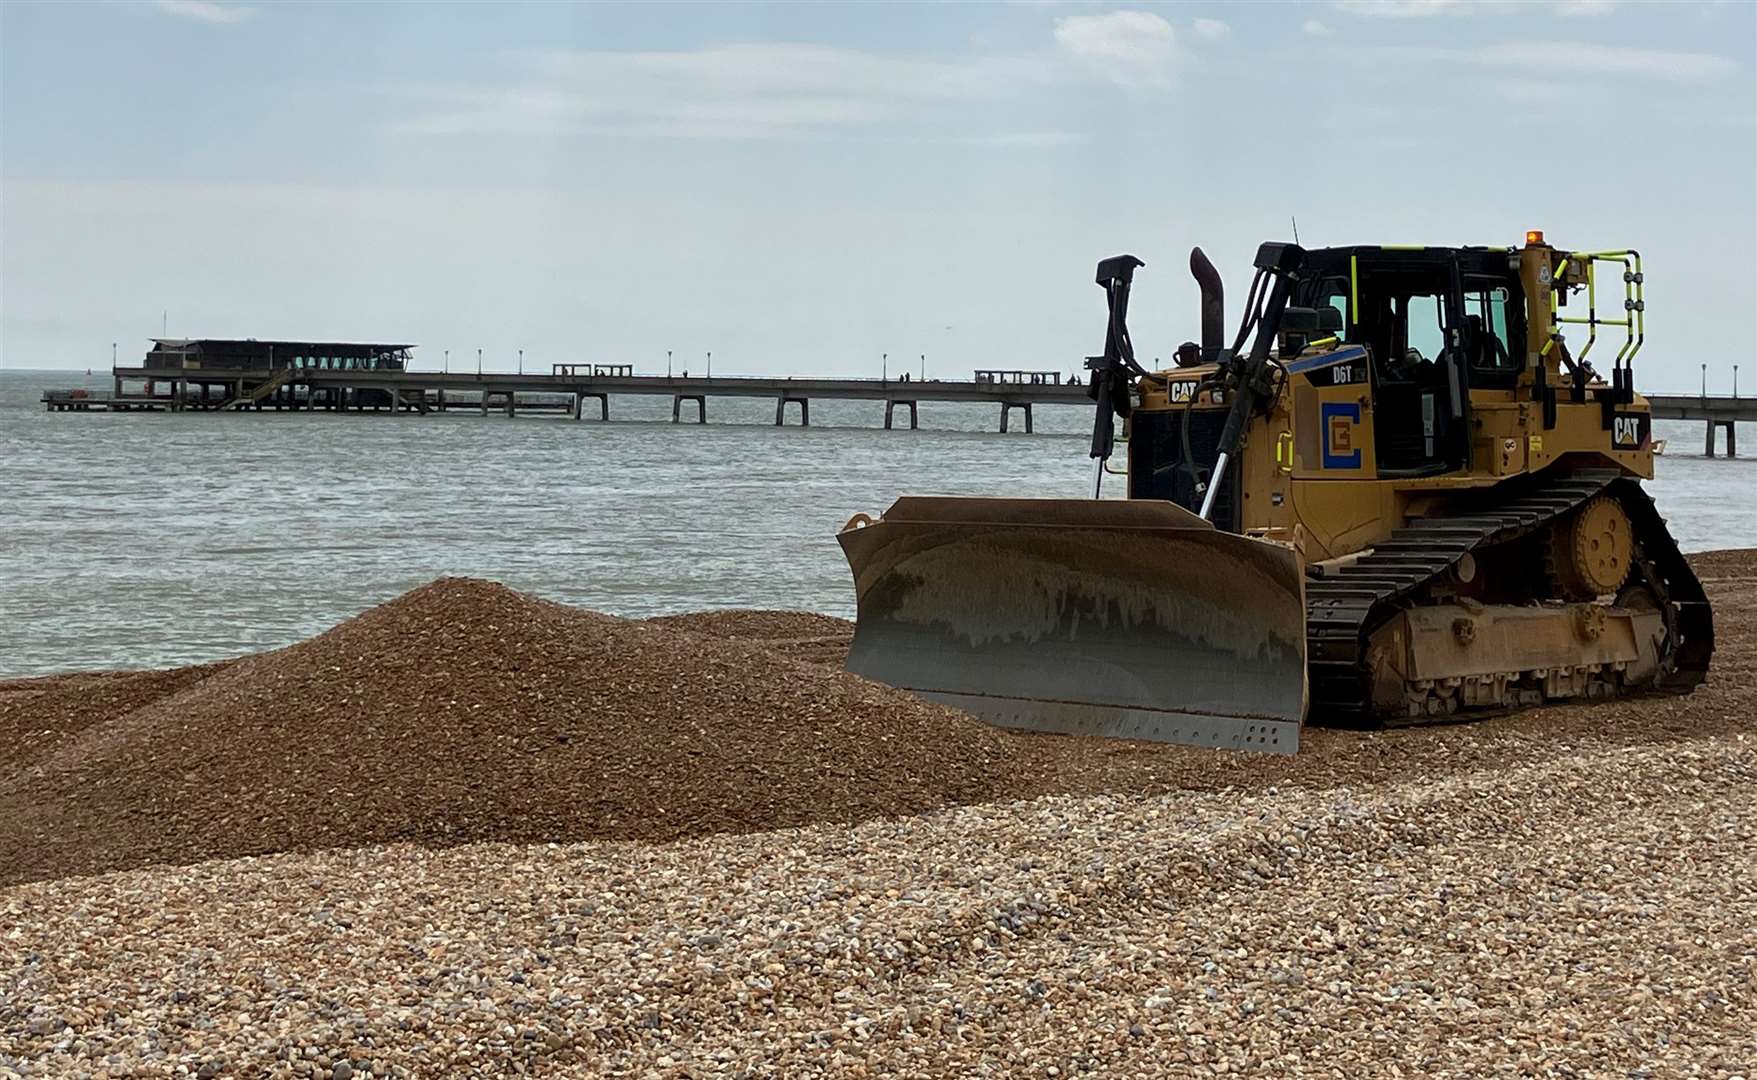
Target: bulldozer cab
[(1438, 325)]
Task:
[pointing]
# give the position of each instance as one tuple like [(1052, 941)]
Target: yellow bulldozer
[(1396, 495)]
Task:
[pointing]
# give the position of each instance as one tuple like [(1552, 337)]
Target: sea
[(133, 540)]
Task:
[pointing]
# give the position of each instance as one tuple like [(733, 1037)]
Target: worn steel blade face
[(1133, 619)]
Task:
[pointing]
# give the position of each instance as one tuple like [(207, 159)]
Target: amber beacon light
[(1534, 236)]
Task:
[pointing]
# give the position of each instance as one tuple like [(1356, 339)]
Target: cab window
[(1491, 338), (1425, 331)]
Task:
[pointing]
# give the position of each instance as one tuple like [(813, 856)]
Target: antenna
[(1295, 221)]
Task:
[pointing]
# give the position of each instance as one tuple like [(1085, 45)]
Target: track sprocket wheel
[(1592, 549)]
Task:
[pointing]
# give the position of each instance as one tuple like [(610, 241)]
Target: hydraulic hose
[(1245, 394)]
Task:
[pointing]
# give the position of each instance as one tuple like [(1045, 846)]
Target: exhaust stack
[(1213, 305)]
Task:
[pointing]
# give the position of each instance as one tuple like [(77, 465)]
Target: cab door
[(1412, 319)]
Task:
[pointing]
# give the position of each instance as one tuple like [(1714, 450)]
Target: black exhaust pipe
[(1213, 305)]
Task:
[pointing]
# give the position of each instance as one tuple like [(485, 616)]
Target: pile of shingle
[(464, 711), (802, 635)]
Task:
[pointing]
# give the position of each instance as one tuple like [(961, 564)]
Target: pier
[(260, 376), (1718, 412), (221, 375)]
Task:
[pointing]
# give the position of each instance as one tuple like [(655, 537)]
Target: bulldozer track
[(1345, 608)]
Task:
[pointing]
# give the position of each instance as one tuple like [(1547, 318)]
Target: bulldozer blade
[(1133, 619)]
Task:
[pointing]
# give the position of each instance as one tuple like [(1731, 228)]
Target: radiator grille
[(1156, 460)]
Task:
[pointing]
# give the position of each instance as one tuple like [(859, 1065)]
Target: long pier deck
[(570, 386), (565, 390)]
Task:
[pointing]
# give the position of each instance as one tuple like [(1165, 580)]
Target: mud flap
[(1134, 619)]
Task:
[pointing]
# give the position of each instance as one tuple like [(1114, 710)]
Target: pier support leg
[(484, 403), (890, 410), (701, 405), (1007, 408), (511, 404), (579, 405), (781, 410), (1708, 451), (1732, 444), (604, 407)]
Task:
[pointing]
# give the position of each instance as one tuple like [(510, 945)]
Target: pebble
[(1600, 916), (1570, 892)]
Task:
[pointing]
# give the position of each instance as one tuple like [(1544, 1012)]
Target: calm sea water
[(140, 540)]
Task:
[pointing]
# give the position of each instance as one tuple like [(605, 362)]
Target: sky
[(835, 188)]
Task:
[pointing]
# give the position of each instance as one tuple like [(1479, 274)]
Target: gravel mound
[(464, 711), (39, 715), (799, 635)]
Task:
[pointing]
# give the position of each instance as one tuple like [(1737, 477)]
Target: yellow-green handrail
[(1634, 320)]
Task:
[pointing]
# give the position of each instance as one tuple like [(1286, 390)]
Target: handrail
[(1634, 320)]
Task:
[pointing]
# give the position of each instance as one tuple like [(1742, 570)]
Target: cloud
[(1316, 28), (760, 90), (1127, 46), (1027, 138), (1416, 9), (723, 92), (1407, 9), (204, 11), (1558, 57), (1554, 60)]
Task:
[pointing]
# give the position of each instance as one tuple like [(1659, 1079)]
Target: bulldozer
[(1395, 496)]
